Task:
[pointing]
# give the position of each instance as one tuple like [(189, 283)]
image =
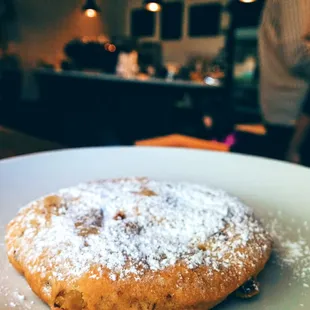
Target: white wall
[(180, 50)]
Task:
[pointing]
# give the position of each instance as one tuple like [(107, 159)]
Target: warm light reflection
[(153, 7), (112, 48), (85, 39), (247, 1), (90, 13), (102, 39)]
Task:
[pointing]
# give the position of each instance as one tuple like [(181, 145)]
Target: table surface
[(14, 143), (152, 81), (115, 78)]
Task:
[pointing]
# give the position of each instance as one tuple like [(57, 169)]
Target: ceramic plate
[(277, 191)]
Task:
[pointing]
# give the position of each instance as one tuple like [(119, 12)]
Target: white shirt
[(285, 59)]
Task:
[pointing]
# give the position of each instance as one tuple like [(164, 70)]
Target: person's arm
[(301, 131), (294, 25), (300, 134)]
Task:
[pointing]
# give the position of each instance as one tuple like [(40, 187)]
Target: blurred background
[(81, 73)]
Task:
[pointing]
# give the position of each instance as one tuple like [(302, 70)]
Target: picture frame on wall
[(205, 20), (142, 23), (172, 20)]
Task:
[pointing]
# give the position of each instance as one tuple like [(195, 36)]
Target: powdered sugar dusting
[(291, 247), (131, 226), (16, 299)]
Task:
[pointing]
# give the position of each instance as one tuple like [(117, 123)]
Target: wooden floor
[(14, 143)]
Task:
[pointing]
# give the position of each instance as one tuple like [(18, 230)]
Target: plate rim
[(148, 148)]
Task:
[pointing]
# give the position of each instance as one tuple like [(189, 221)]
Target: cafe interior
[(87, 73)]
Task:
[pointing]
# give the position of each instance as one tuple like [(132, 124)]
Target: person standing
[(284, 69)]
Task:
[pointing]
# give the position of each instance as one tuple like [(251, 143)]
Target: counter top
[(239, 84), (114, 77)]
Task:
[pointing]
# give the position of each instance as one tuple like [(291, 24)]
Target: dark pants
[(305, 152), (277, 143)]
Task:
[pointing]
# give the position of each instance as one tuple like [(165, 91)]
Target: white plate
[(263, 184)]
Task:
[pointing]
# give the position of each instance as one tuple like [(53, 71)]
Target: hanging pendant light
[(90, 8), (153, 5)]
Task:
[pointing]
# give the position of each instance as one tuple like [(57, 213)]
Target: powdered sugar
[(16, 299), (291, 247), (130, 226)]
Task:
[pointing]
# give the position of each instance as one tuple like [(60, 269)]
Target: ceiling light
[(91, 9), (153, 5)]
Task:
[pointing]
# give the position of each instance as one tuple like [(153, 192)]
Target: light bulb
[(90, 13), (247, 1), (153, 7)]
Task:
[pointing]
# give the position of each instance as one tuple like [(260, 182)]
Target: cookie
[(137, 244)]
